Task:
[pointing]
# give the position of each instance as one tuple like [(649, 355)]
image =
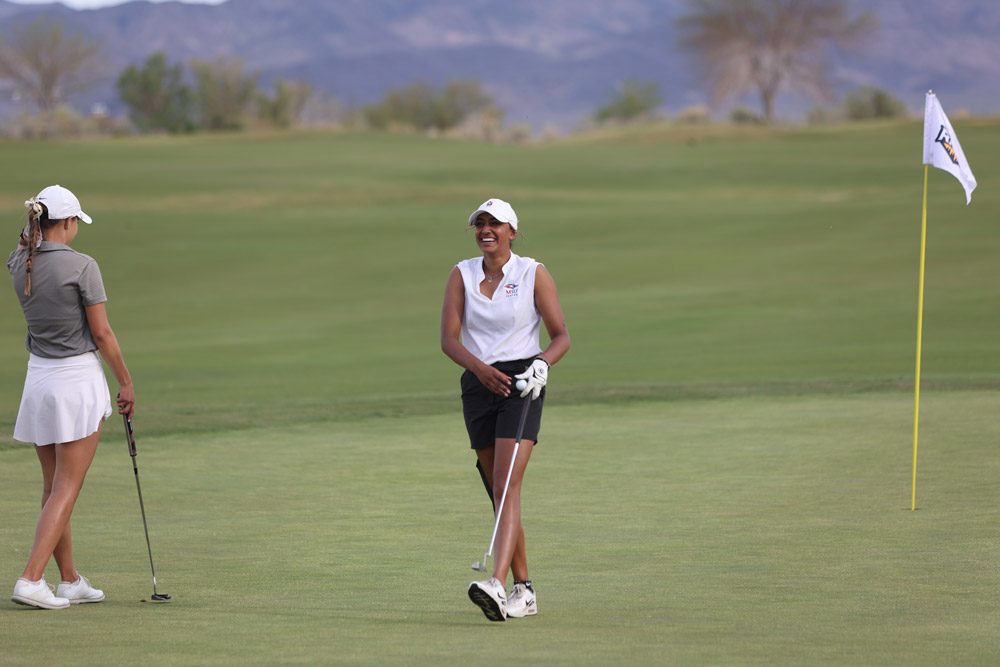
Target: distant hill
[(550, 62)]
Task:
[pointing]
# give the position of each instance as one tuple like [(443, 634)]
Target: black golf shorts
[(489, 416)]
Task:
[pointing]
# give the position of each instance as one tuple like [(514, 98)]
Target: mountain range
[(546, 62)]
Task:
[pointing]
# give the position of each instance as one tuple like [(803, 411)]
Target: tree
[(768, 45), (867, 102), (156, 95), (634, 100), (285, 107), (45, 64), (459, 101), (223, 93), (412, 106)]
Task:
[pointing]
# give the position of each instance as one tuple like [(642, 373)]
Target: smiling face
[(493, 235)]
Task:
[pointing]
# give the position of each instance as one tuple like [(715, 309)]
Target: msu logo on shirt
[(510, 289)]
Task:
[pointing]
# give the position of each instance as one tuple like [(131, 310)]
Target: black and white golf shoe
[(521, 602), (491, 597)]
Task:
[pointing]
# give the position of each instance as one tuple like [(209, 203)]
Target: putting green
[(733, 531)]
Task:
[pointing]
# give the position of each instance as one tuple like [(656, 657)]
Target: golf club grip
[(129, 435), (523, 420)]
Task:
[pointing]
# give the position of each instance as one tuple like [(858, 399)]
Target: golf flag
[(941, 147), (941, 150)]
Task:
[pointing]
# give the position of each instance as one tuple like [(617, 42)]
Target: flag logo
[(944, 139)]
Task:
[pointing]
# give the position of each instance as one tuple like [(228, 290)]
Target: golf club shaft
[(510, 469), (138, 487)]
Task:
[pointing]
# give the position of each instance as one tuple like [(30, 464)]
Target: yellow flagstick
[(920, 329)]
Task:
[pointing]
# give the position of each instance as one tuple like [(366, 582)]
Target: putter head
[(479, 567), (160, 597)]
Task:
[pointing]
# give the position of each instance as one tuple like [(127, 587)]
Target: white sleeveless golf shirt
[(504, 328)]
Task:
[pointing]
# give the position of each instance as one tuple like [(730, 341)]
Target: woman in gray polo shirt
[(66, 397)]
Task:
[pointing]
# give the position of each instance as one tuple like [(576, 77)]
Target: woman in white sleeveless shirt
[(494, 305), (66, 397)]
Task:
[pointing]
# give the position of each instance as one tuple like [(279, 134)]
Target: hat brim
[(86, 218), (475, 214)]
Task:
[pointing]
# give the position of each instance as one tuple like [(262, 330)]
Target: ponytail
[(38, 215)]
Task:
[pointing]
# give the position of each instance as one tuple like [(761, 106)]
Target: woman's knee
[(513, 488), (68, 484), (500, 479)]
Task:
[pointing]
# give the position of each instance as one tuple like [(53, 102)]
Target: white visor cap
[(61, 204), (499, 209)]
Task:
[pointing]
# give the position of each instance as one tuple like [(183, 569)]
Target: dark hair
[(38, 217)]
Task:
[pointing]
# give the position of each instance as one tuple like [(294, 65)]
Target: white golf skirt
[(63, 400)]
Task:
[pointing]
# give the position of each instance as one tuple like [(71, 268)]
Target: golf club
[(480, 566), (155, 597)]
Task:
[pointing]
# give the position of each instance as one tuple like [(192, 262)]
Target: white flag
[(941, 147)]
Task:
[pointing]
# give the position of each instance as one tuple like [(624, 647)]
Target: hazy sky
[(90, 4)]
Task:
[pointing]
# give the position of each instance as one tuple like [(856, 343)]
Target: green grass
[(736, 531), (726, 451), (269, 279)]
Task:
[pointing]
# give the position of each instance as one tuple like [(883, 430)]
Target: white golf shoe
[(521, 602), (79, 591), (489, 596), (37, 594)]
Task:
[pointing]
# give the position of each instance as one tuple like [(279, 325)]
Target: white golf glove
[(536, 375)]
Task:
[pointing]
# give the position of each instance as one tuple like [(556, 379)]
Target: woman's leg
[(510, 536), (64, 549), (64, 468), (519, 562)]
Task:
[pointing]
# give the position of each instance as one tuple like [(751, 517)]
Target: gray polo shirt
[(63, 283)]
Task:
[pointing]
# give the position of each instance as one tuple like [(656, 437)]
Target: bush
[(420, 107), (62, 122), (696, 115), (634, 101), (867, 103), (744, 116)]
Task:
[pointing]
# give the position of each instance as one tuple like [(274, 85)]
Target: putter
[(155, 597), (480, 566)]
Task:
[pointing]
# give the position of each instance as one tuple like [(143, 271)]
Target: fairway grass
[(736, 531), (269, 280)]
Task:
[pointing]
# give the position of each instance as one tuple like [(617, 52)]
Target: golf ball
[(520, 385)]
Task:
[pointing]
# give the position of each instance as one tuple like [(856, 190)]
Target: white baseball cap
[(499, 209), (61, 204)]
